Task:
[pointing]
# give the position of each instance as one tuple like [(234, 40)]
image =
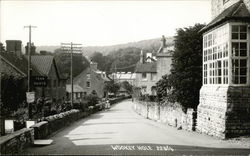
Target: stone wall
[(17, 141), (170, 114), (224, 111)]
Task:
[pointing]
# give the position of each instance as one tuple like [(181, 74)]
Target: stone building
[(152, 68), (56, 85), (224, 108), (91, 80)]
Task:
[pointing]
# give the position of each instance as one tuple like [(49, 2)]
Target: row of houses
[(14, 63)]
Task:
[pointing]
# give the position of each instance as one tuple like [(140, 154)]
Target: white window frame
[(248, 53), (211, 58), (228, 58)]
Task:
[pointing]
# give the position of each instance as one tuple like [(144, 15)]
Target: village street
[(121, 131)]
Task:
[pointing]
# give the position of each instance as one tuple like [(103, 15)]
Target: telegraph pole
[(72, 47), (29, 63)]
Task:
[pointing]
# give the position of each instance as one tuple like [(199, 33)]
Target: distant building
[(120, 77), (224, 96), (151, 69), (92, 80), (78, 91)]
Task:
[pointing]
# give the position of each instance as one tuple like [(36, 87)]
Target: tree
[(184, 82), (63, 60), (111, 87), (126, 85)]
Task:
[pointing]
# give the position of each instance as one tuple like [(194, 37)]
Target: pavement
[(120, 131)]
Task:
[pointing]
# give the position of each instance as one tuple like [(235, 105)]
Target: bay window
[(220, 67)]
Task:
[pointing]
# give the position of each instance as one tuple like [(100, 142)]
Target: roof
[(76, 88), (125, 76), (42, 62), (237, 11), (88, 70), (147, 67), (19, 63)]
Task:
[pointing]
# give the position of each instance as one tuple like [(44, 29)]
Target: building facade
[(151, 69), (92, 80), (224, 108), (56, 85)]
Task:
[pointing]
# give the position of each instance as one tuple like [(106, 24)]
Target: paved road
[(121, 131)]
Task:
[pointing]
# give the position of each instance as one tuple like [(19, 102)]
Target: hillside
[(150, 44)]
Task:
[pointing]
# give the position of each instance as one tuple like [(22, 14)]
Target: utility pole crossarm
[(72, 47)]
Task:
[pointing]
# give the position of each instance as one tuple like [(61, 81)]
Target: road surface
[(120, 131)]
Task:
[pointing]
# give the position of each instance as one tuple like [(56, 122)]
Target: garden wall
[(170, 114), (17, 141)]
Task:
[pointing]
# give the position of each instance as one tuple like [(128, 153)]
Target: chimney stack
[(14, 46)]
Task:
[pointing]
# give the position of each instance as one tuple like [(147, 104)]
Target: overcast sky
[(98, 22)]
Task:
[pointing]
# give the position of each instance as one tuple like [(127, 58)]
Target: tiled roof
[(42, 62), (84, 73), (148, 67), (20, 63), (237, 11), (76, 88)]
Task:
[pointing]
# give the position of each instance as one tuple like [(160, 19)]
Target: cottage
[(91, 80), (56, 85), (224, 96)]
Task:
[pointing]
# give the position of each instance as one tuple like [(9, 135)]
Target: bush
[(182, 85)]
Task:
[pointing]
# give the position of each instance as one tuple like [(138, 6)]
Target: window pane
[(243, 71), (243, 53), (243, 36), (219, 80), (243, 63), (243, 28), (235, 28), (243, 80), (243, 45), (235, 49), (235, 36)]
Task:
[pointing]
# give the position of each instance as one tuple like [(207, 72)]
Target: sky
[(98, 23)]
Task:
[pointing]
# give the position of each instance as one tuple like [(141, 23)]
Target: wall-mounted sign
[(39, 81), (30, 97)]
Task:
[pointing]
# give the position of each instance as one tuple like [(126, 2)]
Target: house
[(224, 96), (14, 73), (56, 82), (152, 68), (15, 63), (78, 91), (91, 80)]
